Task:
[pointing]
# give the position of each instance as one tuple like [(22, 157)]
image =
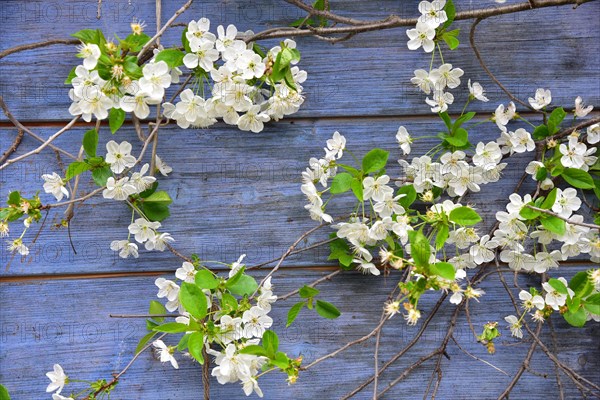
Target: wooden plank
[(377, 66), (233, 193), (67, 322)]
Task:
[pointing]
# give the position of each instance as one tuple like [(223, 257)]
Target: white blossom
[(55, 185)]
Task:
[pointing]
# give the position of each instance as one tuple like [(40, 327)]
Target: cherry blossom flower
[(503, 115), (376, 189), (573, 153), (156, 79), (162, 166), (446, 76), (118, 156), (58, 379), (90, 53), (404, 140), (476, 91), (593, 134), (335, 146), (440, 102), (125, 248), (255, 321), (432, 13), (165, 352), (143, 229), (422, 81), (55, 185), (555, 299), (421, 35), (543, 97), (515, 326), (580, 109), (18, 246), (186, 272)]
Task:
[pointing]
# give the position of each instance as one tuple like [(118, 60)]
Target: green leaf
[(90, 142), (270, 342), (76, 168), (101, 175), (357, 188), (93, 36), (341, 183), (353, 171), (529, 213), (592, 308), (135, 42), (144, 340), (183, 342), (549, 200), (255, 350), (580, 284), (281, 361), (441, 236), (576, 318), (228, 302), (419, 248), (14, 198), (327, 310), (450, 40), (116, 117), (554, 224), (235, 278), (306, 292), (133, 69), (459, 138), (150, 190), (558, 286), (245, 285), (447, 121), (155, 212), (4, 393), (578, 178), (195, 346), (540, 132), (464, 216), (173, 57), (411, 195), (374, 160), (293, 313), (464, 118), (71, 75), (340, 251), (593, 299), (193, 299), (555, 119), (206, 280), (172, 327), (541, 174), (160, 197), (157, 308), (450, 13), (443, 269)]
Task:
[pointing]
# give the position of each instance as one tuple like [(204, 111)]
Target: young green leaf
[(464, 216), (443, 269), (555, 119), (327, 310), (442, 235), (193, 299), (76, 168), (195, 345), (450, 40), (116, 117), (576, 318), (419, 248), (255, 349), (293, 313), (101, 175), (411, 195), (157, 308), (306, 292), (459, 138), (558, 286), (580, 284), (357, 188), (155, 211), (90, 142), (172, 327), (173, 57), (374, 160), (341, 183), (245, 285), (578, 178), (228, 302), (206, 280), (554, 224), (71, 75), (160, 197), (270, 343), (144, 340), (540, 132)]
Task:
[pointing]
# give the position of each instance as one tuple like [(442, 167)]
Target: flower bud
[(547, 184)]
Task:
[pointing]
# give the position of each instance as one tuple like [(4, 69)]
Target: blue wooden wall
[(237, 192)]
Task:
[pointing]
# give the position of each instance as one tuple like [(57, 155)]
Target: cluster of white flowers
[(320, 171), (235, 329), (432, 16), (242, 92), (541, 305), (238, 73)]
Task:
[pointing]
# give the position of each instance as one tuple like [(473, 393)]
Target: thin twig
[(313, 284), (548, 212), (42, 146), (477, 358), (13, 147), (20, 126), (37, 45)]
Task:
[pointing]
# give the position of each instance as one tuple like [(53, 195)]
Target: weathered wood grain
[(43, 323), (233, 193), (377, 66)]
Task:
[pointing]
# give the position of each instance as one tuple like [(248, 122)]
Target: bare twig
[(477, 358), (163, 29), (20, 126), (13, 147), (37, 45), (548, 212), (42, 146)]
